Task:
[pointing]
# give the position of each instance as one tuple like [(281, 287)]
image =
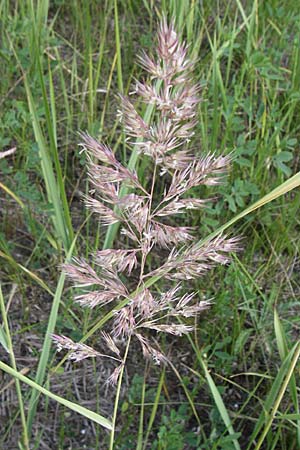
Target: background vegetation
[(234, 383)]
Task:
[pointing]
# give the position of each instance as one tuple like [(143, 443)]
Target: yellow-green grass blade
[(284, 188), (273, 400), (155, 406), (282, 345), (28, 272), (73, 406), (216, 396), (292, 416), (220, 404), (12, 194), (186, 393), (280, 336)]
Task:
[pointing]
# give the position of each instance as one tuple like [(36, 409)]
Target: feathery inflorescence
[(143, 217)]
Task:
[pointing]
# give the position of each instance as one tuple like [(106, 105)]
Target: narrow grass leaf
[(154, 407), (284, 188), (218, 401), (280, 336), (282, 345), (187, 393), (274, 397), (287, 416), (73, 406), (28, 272), (12, 194)]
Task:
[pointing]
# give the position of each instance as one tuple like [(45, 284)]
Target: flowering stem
[(152, 190), (112, 435), (144, 254)]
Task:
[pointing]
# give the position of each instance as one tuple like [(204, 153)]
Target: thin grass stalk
[(243, 14), (272, 396), (32, 275), (191, 20), (155, 406), (187, 394), (117, 397), (283, 352), (107, 8), (91, 93), (139, 445), (216, 396), (12, 194), (42, 14), (13, 363), (252, 38), (85, 21), (290, 416), (3, 339), (216, 121), (291, 367), (63, 87), (52, 104), (118, 49), (243, 269), (108, 85)]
